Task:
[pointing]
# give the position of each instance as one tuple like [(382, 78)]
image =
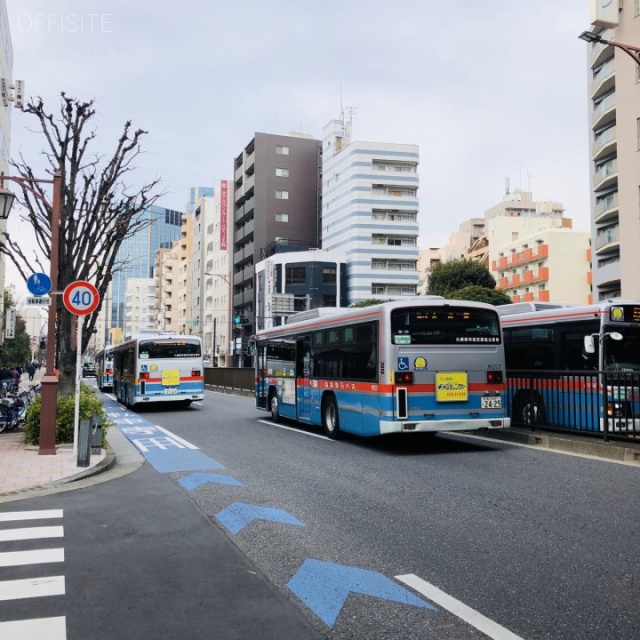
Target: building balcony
[(604, 112), (606, 176), (604, 143), (604, 79), (608, 240), (606, 208)]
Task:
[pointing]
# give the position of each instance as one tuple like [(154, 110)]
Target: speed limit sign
[(81, 298)]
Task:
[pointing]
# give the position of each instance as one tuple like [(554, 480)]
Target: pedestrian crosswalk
[(34, 566)]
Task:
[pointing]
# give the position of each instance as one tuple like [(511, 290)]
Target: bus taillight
[(494, 377), (144, 375), (196, 373), (403, 377), (109, 372)]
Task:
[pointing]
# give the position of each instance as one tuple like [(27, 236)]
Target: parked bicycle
[(14, 404)]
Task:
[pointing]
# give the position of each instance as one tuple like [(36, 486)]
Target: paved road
[(451, 537)]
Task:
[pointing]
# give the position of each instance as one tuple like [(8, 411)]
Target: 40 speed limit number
[(81, 298)]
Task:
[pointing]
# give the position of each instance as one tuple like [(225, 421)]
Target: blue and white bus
[(158, 367), (104, 369), (574, 366), (420, 365)]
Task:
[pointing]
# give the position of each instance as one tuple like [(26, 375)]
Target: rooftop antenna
[(507, 186)]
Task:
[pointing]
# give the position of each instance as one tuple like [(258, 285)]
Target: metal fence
[(596, 403), (231, 379)]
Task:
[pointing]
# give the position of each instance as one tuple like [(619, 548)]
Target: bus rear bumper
[(433, 426)]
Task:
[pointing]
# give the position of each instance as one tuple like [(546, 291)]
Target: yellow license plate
[(170, 378), (452, 386)]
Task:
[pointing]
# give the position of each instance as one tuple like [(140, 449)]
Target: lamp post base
[(48, 411)]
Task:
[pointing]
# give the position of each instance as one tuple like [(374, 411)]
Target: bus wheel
[(330, 418), (531, 411), (274, 405)]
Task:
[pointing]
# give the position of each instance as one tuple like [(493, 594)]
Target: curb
[(627, 453), (105, 464)]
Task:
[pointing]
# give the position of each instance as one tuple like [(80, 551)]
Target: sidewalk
[(22, 468)]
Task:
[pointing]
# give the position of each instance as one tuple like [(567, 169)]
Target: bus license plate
[(171, 392), (491, 402)]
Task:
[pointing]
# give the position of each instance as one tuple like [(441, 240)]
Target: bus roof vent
[(318, 312), (527, 307)]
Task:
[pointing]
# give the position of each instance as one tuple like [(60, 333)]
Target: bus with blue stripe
[(425, 364), (104, 369), (574, 366), (158, 367)]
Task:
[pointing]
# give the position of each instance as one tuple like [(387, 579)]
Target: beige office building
[(614, 121)]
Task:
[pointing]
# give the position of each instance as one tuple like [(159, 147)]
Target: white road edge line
[(36, 629), (573, 454), (471, 616), (175, 437), (304, 433)]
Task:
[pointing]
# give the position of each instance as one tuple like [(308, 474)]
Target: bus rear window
[(444, 325), (157, 350)]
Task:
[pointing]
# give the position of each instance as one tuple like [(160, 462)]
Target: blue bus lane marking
[(165, 451)]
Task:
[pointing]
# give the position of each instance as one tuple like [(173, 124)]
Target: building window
[(329, 276), (282, 150), (296, 275), (282, 195), (282, 217), (282, 173)]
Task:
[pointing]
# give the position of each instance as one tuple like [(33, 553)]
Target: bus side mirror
[(589, 344)]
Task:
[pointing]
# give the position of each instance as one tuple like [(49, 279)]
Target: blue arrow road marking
[(172, 460), (324, 587), (238, 515), (196, 480)]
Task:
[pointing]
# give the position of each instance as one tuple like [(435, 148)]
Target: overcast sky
[(488, 89)]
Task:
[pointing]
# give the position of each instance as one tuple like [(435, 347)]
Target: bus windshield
[(444, 325), (153, 349), (622, 355)]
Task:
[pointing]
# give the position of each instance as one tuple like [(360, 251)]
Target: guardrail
[(230, 379), (603, 404)]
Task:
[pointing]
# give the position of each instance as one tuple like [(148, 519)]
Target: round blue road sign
[(39, 284)]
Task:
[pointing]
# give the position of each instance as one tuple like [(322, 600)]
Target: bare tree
[(98, 211)]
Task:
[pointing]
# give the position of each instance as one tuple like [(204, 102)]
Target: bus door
[(304, 372), (261, 374)]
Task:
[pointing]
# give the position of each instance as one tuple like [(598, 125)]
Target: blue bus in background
[(104, 369)]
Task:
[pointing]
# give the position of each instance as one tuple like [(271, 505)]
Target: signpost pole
[(76, 409)]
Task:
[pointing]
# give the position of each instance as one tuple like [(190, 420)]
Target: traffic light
[(43, 343), (240, 320), (237, 331)]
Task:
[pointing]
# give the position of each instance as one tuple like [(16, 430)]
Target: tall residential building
[(6, 77), (212, 267), (135, 259), (614, 123), (276, 199), (139, 306), (370, 212)]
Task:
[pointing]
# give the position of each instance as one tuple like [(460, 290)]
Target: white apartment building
[(166, 271), (139, 306), (212, 300), (370, 212), (614, 131), (184, 275)]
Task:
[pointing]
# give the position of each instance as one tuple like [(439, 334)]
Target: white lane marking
[(176, 438), (304, 433), (32, 588), (31, 533), (36, 556), (471, 616), (573, 454), (38, 629), (30, 515)]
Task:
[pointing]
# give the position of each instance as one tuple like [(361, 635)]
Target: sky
[(488, 90)]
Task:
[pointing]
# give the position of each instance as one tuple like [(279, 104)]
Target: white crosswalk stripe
[(36, 585)]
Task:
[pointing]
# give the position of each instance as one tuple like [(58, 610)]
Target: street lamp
[(634, 52), (49, 380)]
